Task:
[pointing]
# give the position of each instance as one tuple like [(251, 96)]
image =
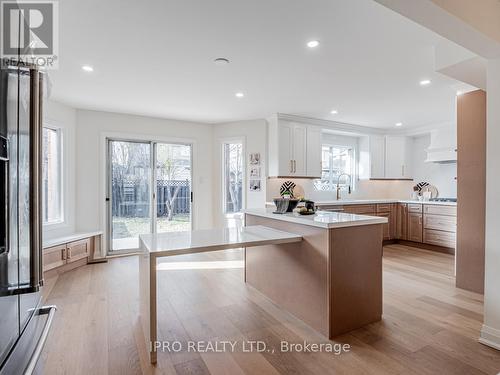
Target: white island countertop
[(320, 219), (199, 241)]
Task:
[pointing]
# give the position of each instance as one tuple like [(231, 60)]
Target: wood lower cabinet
[(439, 238), (387, 210), (77, 250), (382, 210), (66, 256), (440, 223), (423, 223), (54, 257), (401, 221), (415, 227), (361, 209)]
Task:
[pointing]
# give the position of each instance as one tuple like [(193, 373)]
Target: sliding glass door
[(130, 193), (173, 187), (142, 199)]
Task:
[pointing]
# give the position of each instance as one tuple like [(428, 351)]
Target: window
[(336, 161), (52, 176), (233, 172)]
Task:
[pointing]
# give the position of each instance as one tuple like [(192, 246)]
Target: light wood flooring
[(428, 327)]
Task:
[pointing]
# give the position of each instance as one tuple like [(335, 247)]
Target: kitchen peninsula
[(332, 279), (326, 268)]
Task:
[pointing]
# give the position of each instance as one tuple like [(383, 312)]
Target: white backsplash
[(364, 189)]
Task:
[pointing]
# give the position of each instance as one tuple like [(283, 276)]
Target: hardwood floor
[(429, 326)]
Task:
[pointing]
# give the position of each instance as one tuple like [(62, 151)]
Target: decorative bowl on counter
[(292, 203)]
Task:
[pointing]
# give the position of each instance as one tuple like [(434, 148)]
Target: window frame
[(352, 173), (61, 179)]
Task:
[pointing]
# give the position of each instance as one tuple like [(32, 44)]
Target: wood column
[(471, 190)]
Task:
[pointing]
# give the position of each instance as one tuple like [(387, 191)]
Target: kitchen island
[(332, 279), (325, 268)]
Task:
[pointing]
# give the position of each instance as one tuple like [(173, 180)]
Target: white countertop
[(321, 219), (198, 241), (371, 201), (69, 238)]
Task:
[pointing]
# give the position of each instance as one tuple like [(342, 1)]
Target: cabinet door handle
[(68, 254), (291, 166), (402, 170), (295, 166), (63, 254)]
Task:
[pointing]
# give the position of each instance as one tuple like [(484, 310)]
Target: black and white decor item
[(255, 172)]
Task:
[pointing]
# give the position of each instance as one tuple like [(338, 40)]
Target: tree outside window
[(233, 171), (335, 161)]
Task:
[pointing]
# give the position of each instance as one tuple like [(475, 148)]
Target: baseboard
[(490, 337)]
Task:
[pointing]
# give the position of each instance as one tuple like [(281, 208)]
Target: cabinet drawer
[(440, 222), (53, 257), (412, 207), (439, 238), (440, 210), (77, 250), (367, 209), (385, 207)]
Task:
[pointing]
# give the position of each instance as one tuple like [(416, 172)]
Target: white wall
[(254, 135), (490, 334), (442, 176), (92, 129), (63, 117)]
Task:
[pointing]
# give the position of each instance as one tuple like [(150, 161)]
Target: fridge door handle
[(35, 175), (50, 310)]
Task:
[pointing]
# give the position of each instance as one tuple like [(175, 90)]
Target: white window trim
[(224, 141), (354, 168), (63, 184)]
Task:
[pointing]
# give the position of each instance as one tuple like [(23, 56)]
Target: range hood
[(443, 146)]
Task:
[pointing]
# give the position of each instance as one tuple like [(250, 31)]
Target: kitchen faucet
[(338, 184)]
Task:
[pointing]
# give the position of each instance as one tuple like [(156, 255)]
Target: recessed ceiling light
[(398, 124), (221, 61), (313, 43), (459, 93), (87, 68), (334, 111), (425, 82), (239, 95)]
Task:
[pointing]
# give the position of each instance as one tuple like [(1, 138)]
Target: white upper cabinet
[(314, 144), (284, 165), (371, 157), (299, 150), (294, 149), (385, 157), (397, 157), (377, 151)]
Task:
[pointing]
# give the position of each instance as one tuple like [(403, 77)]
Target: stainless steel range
[(24, 324)]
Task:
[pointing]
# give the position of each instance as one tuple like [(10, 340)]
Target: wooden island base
[(331, 280)]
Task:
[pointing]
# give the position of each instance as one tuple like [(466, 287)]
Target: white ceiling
[(156, 57)]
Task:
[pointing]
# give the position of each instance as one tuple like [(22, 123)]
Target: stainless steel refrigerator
[(24, 324)]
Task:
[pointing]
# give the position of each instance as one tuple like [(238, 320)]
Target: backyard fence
[(131, 197)]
